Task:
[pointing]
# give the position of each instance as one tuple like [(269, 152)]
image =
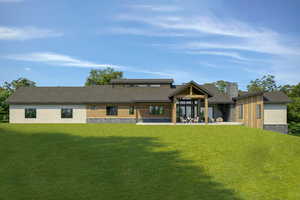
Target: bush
[(294, 128)]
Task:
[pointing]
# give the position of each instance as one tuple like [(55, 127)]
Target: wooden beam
[(191, 96), (206, 110), (174, 117), (191, 90)]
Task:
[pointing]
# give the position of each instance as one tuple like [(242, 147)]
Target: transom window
[(131, 110), (258, 111), (66, 113), (111, 110), (241, 113), (156, 110), (30, 113), (93, 107)]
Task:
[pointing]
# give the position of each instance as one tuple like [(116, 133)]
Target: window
[(30, 113), (241, 114), (141, 85), (258, 111), (156, 110), (93, 107), (154, 85), (111, 110), (66, 113), (131, 110)]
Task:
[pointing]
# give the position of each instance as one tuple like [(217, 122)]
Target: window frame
[(109, 113), (241, 111), (30, 117), (131, 110), (258, 111), (62, 113), (156, 109)]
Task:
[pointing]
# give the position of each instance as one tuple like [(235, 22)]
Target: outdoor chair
[(183, 120), (196, 119)]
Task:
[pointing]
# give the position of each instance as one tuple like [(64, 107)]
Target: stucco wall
[(275, 114), (47, 114)]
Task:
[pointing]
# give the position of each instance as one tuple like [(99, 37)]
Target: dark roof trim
[(193, 83), (249, 94), (141, 81)]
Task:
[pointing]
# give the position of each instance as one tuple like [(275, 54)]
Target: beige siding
[(275, 114), (99, 111), (47, 114)]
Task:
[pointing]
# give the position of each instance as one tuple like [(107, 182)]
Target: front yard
[(147, 163)]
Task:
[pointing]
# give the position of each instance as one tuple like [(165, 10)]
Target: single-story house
[(148, 100)]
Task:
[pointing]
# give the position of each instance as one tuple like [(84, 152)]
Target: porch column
[(206, 109), (174, 117)]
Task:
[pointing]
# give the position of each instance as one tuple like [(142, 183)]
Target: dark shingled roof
[(142, 81), (217, 96), (104, 94), (183, 87), (269, 97), (276, 97), (92, 94)]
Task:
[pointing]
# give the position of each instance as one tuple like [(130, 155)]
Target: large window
[(156, 110), (30, 113), (131, 110), (111, 110), (258, 111), (241, 113), (66, 113)]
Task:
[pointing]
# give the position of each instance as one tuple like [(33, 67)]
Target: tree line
[(266, 83)]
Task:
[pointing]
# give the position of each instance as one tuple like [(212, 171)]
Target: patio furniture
[(196, 119), (183, 120), (219, 119)]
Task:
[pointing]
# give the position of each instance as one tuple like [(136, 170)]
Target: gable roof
[(276, 97), (186, 86), (92, 94), (269, 97), (102, 94), (141, 81)]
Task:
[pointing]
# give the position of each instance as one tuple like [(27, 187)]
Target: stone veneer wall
[(281, 128)]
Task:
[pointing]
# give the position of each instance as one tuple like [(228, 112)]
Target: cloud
[(144, 32), (158, 8), (11, 1), (51, 58), (220, 53), (27, 68), (26, 33)]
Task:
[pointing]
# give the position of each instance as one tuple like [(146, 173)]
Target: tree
[(221, 85), (102, 77), (7, 89), (15, 84), (265, 84)]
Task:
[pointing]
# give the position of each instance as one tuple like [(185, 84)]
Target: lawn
[(117, 162)]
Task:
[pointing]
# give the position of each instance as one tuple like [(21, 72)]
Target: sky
[(57, 42)]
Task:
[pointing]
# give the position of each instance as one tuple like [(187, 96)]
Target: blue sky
[(56, 43)]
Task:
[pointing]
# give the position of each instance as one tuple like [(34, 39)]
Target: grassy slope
[(147, 162)]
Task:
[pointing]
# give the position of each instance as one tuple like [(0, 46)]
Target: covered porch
[(190, 105)]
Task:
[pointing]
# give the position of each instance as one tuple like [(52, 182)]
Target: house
[(148, 100)]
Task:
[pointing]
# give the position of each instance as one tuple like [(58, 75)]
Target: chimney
[(232, 89)]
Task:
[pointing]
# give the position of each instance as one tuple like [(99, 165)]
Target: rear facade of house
[(148, 100)]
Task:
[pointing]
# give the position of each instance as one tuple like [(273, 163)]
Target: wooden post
[(206, 109), (191, 90), (174, 117)]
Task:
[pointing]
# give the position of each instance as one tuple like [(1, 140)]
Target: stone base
[(111, 120), (281, 128), (155, 120)]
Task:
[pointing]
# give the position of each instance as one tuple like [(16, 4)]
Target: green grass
[(147, 163)]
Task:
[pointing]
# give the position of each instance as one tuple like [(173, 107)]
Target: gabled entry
[(194, 94)]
